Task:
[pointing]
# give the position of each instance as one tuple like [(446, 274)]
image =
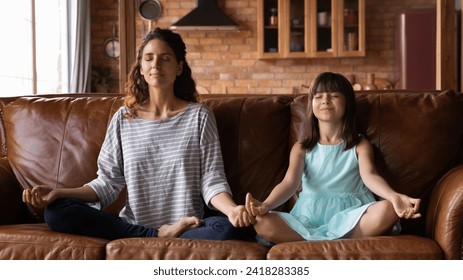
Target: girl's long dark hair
[(136, 89), (332, 82)]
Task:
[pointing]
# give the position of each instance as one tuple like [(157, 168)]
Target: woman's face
[(158, 64)]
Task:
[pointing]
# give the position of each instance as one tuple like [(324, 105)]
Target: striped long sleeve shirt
[(169, 166)]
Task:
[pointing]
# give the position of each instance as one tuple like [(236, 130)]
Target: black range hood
[(207, 16)]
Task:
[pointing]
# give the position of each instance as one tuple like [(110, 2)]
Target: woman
[(164, 147)]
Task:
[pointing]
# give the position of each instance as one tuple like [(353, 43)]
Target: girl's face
[(158, 64), (329, 106)]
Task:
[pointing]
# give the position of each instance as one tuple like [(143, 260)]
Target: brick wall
[(104, 14), (227, 62)]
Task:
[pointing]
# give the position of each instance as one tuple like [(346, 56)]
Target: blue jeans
[(73, 216)]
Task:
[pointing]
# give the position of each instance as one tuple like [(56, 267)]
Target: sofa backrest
[(417, 138), (55, 140), (254, 133)]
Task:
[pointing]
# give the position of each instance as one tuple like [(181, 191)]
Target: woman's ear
[(179, 68)]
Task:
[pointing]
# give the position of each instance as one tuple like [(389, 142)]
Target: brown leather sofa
[(417, 135)]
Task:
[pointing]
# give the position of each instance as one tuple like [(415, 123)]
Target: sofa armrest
[(444, 219), (11, 205)]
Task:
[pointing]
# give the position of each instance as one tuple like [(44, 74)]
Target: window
[(34, 52)]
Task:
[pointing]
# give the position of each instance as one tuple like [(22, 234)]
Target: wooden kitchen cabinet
[(311, 28)]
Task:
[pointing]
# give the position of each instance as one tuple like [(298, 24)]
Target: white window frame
[(28, 66)]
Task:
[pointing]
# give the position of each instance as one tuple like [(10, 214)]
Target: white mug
[(323, 19)]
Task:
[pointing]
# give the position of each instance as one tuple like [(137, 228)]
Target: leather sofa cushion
[(404, 247), (183, 249), (38, 242)]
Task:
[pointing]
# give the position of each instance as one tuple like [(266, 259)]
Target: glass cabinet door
[(310, 28), (270, 22), (296, 28), (324, 38), (351, 37)]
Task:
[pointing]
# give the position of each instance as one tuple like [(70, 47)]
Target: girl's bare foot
[(179, 227)]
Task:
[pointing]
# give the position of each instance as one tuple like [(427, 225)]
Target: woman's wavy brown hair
[(332, 82), (136, 89)]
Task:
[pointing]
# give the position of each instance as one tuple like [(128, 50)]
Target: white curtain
[(79, 33)]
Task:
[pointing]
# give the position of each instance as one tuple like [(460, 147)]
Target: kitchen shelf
[(311, 28)]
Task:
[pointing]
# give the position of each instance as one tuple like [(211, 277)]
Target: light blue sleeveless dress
[(333, 196)]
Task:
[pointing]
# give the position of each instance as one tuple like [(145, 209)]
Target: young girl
[(338, 176), (164, 146)]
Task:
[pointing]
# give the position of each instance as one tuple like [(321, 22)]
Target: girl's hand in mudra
[(255, 207), (406, 207)]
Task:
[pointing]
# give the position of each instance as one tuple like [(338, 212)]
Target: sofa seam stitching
[(62, 142)]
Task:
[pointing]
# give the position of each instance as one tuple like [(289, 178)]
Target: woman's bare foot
[(179, 227)]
